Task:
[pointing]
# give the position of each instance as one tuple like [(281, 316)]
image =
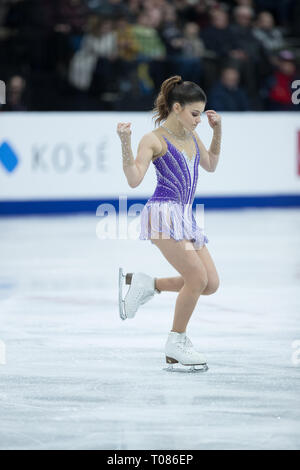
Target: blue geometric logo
[(8, 157)]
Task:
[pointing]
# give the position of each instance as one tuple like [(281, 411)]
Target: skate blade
[(122, 313), (186, 369)]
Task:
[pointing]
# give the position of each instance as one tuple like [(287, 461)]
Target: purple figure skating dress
[(168, 212)]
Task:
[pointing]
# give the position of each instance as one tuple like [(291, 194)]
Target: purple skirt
[(171, 220)]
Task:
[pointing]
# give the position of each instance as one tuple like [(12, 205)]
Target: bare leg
[(165, 284), (185, 304), (175, 284), (192, 270), (169, 284)]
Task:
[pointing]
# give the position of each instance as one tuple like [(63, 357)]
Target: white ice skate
[(180, 350), (141, 290)]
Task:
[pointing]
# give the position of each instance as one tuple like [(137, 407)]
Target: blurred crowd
[(90, 55)]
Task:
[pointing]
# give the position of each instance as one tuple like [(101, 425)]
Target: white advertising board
[(45, 156)]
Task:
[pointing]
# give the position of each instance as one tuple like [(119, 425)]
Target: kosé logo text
[(62, 157)]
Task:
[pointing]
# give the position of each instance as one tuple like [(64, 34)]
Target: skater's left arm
[(214, 121), (209, 158)]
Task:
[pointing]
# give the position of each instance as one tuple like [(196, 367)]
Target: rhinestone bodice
[(176, 174)]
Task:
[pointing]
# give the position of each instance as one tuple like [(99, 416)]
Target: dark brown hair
[(173, 90)]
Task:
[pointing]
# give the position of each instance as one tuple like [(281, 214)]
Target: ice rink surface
[(76, 377)]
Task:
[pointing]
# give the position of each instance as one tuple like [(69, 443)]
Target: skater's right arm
[(135, 169)]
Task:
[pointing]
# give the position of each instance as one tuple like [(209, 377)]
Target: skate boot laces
[(183, 343), (188, 343)]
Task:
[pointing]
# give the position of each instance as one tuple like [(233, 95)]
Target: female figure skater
[(176, 151)]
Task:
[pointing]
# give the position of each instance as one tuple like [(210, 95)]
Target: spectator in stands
[(155, 9), (281, 9), (197, 12), (134, 9), (128, 49), (96, 57), (170, 31), (218, 36), (103, 39), (55, 43), (192, 46), (246, 46), (71, 23), (16, 94), (248, 54), (72, 14), (266, 32), (227, 95), (278, 87), (151, 54), (190, 51), (149, 42)]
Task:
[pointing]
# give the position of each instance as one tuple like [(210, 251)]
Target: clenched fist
[(123, 129)]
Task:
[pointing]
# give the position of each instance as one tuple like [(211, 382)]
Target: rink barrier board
[(77, 156), (72, 206)]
